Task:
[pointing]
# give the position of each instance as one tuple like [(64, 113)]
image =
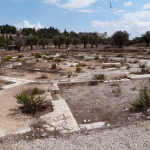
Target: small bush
[(144, 70), (7, 58), (43, 76), (93, 83), (96, 57), (48, 58), (117, 89), (64, 63), (99, 76), (37, 55), (142, 65), (143, 99), (82, 64), (58, 59), (62, 56), (135, 61), (32, 102), (78, 69), (120, 55), (53, 66), (17, 59), (69, 74), (20, 56), (113, 65), (82, 56)]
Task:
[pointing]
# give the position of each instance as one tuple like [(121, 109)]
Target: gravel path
[(131, 137)]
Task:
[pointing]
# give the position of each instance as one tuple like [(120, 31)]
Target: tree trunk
[(147, 43), (31, 47), (19, 49)]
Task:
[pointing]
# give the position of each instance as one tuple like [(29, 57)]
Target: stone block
[(98, 125), (111, 65)]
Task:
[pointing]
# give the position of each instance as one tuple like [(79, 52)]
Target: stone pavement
[(61, 119), (15, 81)]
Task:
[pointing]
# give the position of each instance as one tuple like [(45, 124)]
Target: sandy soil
[(10, 112)]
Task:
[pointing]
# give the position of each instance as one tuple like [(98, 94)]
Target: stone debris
[(148, 118), (111, 65), (91, 126), (148, 112)]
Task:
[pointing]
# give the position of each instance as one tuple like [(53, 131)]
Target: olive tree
[(31, 40), (120, 38), (68, 41), (44, 42), (19, 42), (97, 40), (75, 42), (4, 42), (59, 41), (84, 38), (146, 37)]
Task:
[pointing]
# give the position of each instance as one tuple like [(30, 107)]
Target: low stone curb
[(91, 126), (15, 81), (139, 76), (61, 118)]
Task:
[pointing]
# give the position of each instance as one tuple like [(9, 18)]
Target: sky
[(79, 15)]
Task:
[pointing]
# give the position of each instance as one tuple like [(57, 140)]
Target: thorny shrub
[(99, 76), (32, 102), (143, 99)]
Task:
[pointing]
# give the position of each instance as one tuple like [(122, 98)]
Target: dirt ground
[(10, 112), (103, 102)]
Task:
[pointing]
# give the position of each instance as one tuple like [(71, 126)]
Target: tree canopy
[(146, 37), (43, 42), (19, 42), (31, 40), (59, 41), (120, 38), (7, 29)]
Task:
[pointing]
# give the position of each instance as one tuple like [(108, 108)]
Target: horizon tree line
[(51, 35)]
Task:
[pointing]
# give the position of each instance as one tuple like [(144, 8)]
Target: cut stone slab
[(111, 69), (55, 88), (70, 64), (61, 118), (139, 76), (111, 65), (91, 126)]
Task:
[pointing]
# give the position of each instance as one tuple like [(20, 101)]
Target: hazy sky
[(79, 15)]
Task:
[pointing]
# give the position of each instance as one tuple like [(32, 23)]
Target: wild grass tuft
[(53, 66), (143, 99), (99, 76), (69, 74)]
